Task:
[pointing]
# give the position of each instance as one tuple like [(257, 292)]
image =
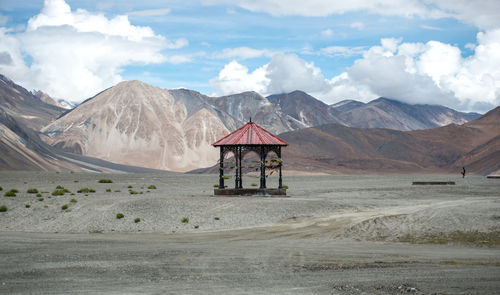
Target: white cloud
[(284, 73), (3, 19), (74, 55), (241, 53), (327, 33), (357, 25), (235, 78), (432, 73), (481, 13), (150, 12), (343, 51)]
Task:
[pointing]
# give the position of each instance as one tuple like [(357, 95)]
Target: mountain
[(250, 104), (136, 124), (302, 110), (347, 105), (21, 115), (22, 105), (335, 148), (392, 114)]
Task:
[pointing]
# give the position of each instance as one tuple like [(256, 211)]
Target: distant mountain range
[(136, 124), (334, 148)]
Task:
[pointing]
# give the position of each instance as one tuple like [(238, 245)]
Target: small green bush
[(1, 188), (32, 191), (108, 190), (105, 181), (75, 181), (27, 205), (73, 201), (217, 218), (14, 190), (226, 177), (64, 207), (119, 216), (185, 220), (3, 208), (152, 186), (39, 195), (133, 192), (285, 186), (216, 185), (137, 220), (58, 192), (86, 190), (129, 186), (117, 191), (59, 187), (10, 194), (196, 226), (253, 184), (40, 199)]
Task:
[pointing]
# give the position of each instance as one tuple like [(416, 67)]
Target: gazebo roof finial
[(250, 120)]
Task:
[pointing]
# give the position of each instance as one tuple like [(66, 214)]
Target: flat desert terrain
[(334, 234)]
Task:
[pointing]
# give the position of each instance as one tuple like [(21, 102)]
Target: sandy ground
[(333, 235)]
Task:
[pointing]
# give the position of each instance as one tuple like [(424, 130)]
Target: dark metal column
[(262, 168), (221, 168), (280, 182), (236, 176), (240, 181)]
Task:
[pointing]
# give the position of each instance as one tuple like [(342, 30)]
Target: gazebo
[(249, 138)]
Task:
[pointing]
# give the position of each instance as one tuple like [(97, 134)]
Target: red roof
[(250, 134)]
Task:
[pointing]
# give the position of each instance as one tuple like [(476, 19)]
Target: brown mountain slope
[(137, 124), (335, 148)]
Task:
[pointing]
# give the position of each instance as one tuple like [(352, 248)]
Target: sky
[(417, 51)]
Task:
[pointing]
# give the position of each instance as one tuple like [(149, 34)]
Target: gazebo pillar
[(236, 169), (280, 181), (262, 168), (221, 168), (240, 180)]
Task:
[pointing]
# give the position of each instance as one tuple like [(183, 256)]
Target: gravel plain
[(332, 235)]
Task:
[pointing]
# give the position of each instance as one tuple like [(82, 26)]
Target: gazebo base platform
[(251, 192)]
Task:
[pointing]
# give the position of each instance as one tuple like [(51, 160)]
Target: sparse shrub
[(10, 194), (14, 190), (32, 191), (117, 191), (119, 216), (73, 201), (3, 208), (285, 186), (133, 192), (105, 181), (58, 192), (72, 194), (152, 186), (64, 207), (185, 220), (75, 181), (196, 226), (254, 184), (86, 190), (226, 177), (59, 187), (108, 190), (129, 186), (27, 205), (39, 195), (1, 188), (137, 220), (216, 185), (217, 218), (40, 199)]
